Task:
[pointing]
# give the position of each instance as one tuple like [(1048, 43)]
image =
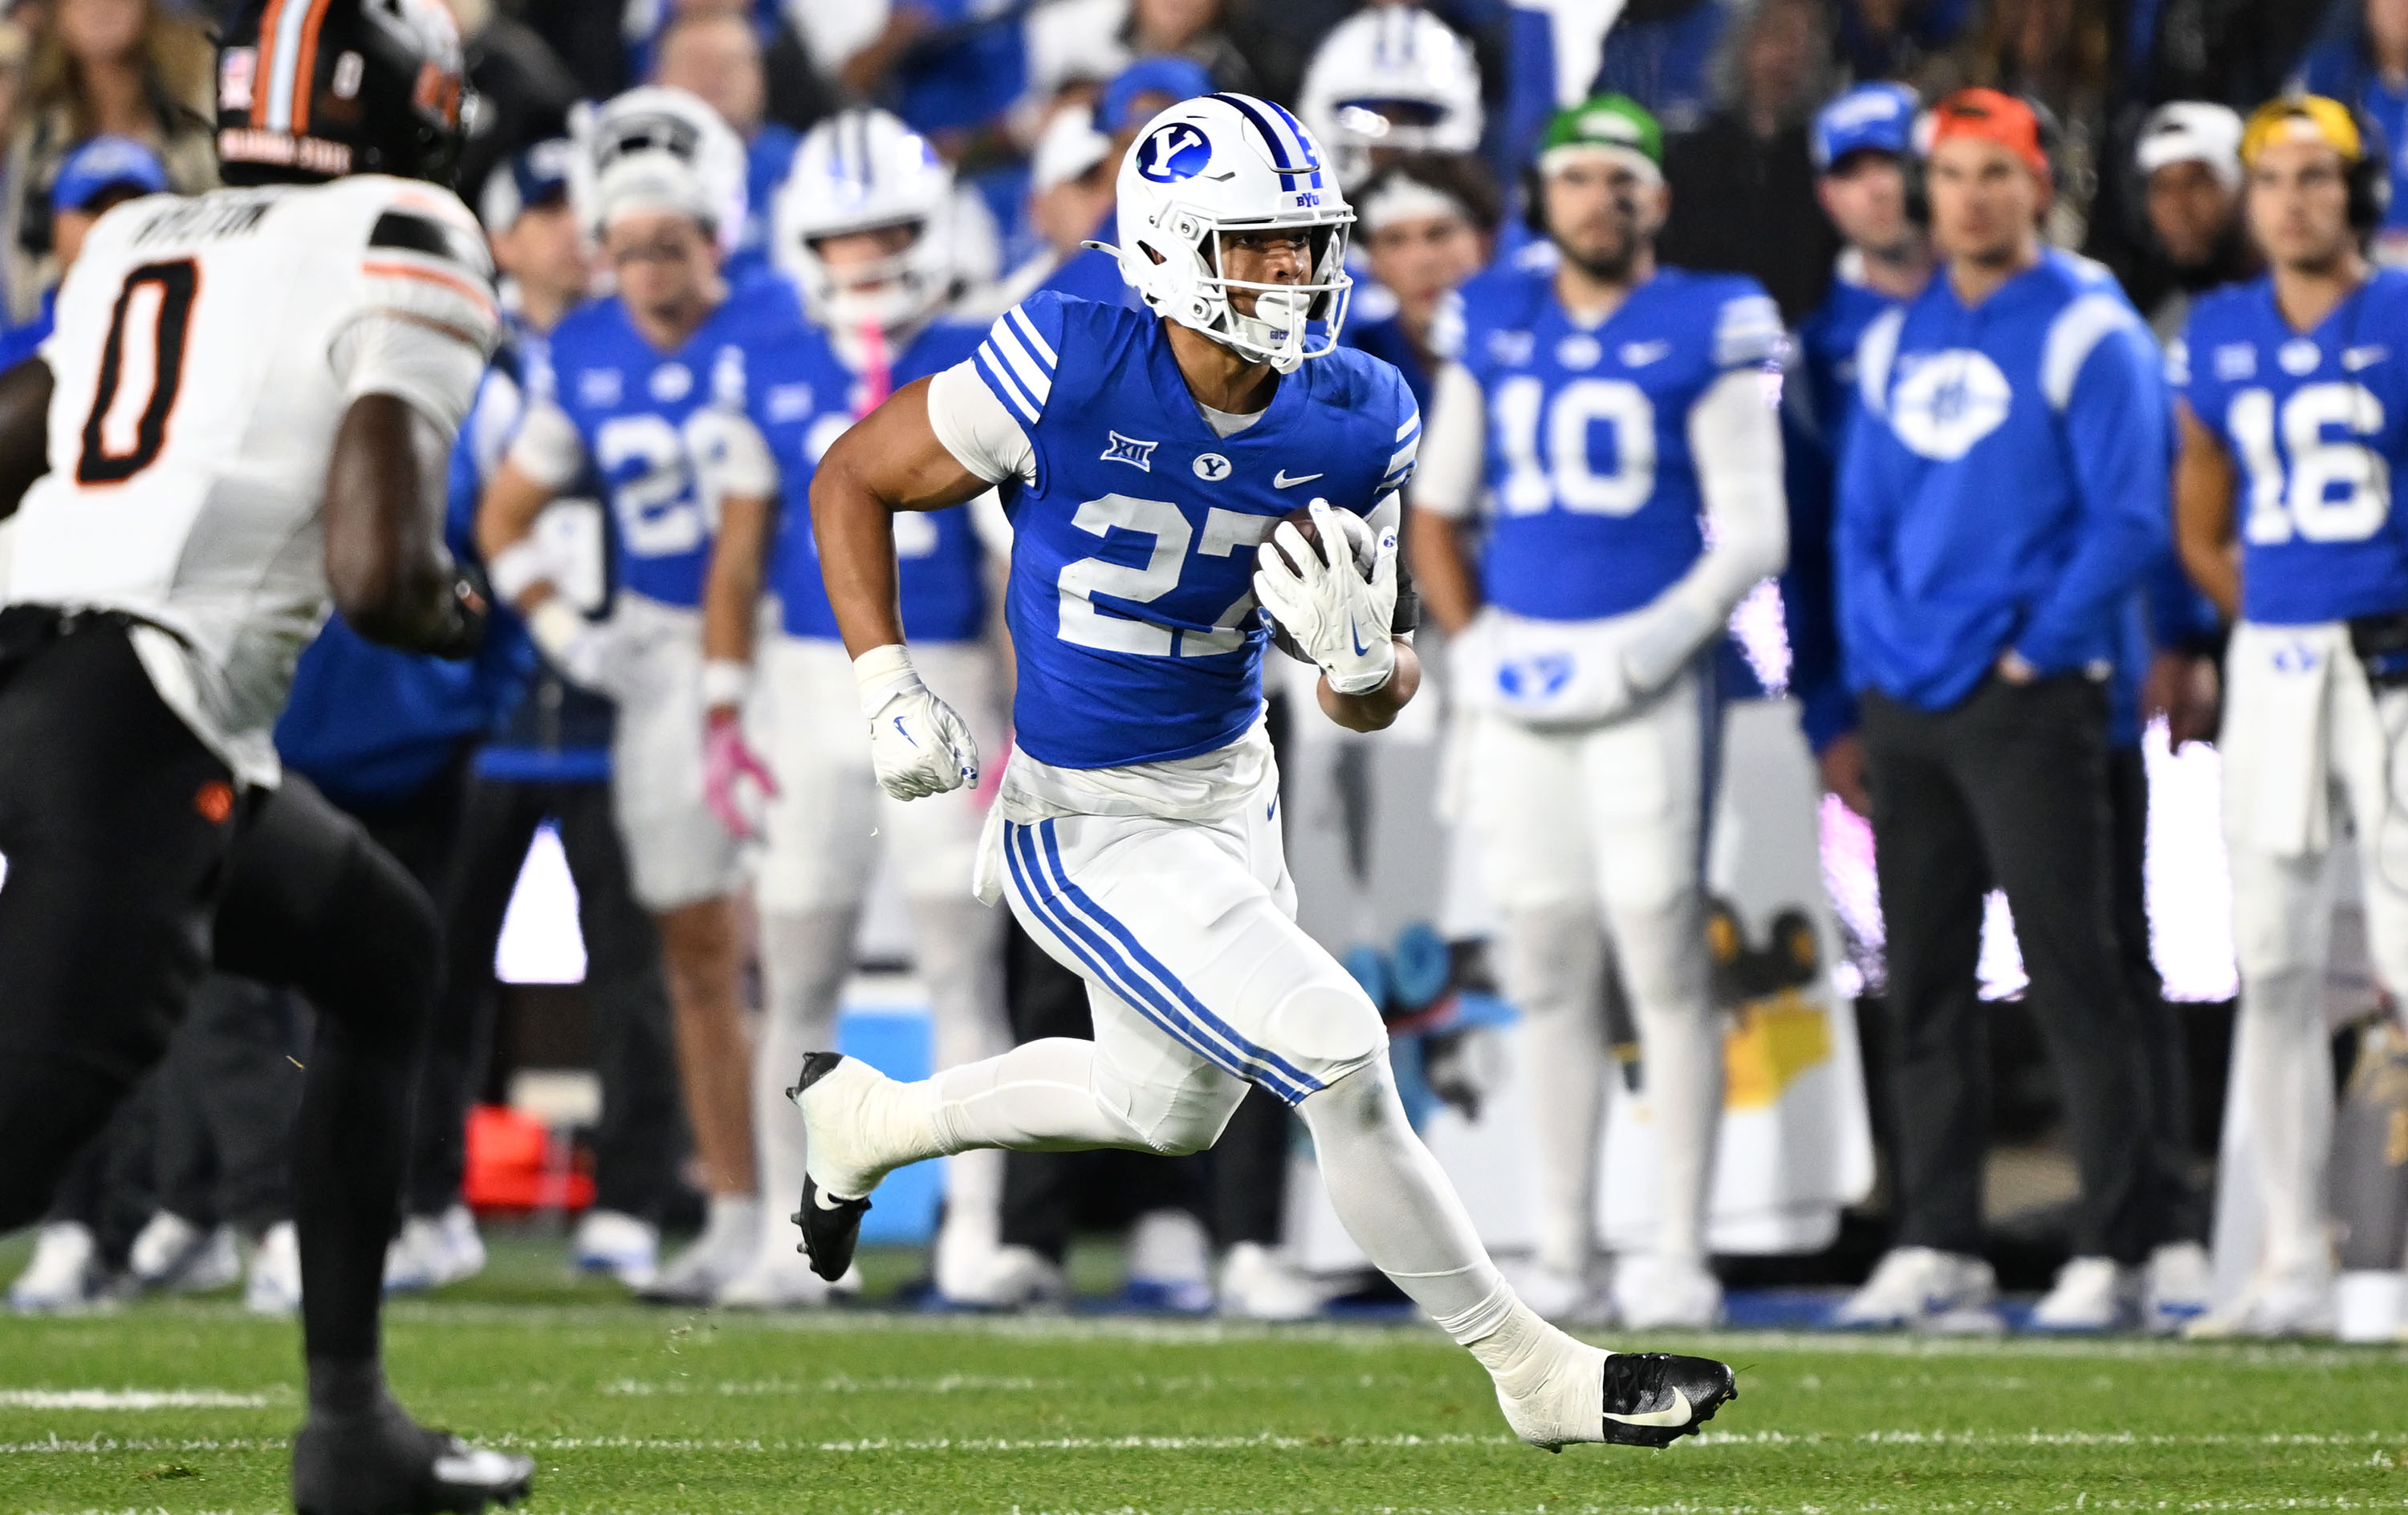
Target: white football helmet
[(1392, 77), (857, 171), (658, 148), (1229, 163)]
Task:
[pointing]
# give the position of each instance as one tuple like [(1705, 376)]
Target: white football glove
[(1337, 616), (917, 744), (579, 648)]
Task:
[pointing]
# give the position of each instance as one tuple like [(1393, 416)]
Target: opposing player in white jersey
[(245, 411), (861, 230), (1614, 410), (1143, 456), (634, 381)]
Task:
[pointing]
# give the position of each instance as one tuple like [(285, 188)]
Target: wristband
[(725, 682), (555, 625), (879, 674), (519, 567)]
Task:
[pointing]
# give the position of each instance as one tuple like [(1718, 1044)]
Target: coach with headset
[(2003, 492), (2294, 420)]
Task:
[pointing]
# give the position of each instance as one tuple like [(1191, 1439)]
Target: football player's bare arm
[(891, 460), (386, 566), (24, 431), (2205, 482), (1378, 709), (731, 593)]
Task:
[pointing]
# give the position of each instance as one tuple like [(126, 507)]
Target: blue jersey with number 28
[(630, 402), (2316, 424), (1131, 601)]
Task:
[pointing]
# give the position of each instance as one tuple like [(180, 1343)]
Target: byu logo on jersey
[(1176, 152), (1129, 450), (1212, 468), (1948, 401)]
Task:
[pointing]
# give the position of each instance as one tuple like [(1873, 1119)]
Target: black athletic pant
[(640, 1142), (228, 1094), (131, 866), (2009, 786), (2183, 1208)]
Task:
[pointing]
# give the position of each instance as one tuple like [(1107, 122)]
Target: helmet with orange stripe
[(313, 90)]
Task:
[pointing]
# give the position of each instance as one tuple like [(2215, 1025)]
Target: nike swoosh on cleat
[(1679, 1414), (1281, 479)]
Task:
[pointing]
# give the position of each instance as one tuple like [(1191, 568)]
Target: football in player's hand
[(1357, 529)]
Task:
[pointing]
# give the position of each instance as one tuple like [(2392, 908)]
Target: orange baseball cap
[(1993, 116)]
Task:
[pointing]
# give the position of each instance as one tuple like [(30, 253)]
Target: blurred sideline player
[(1428, 223), (1616, 412), (2294, 422), (304, 346), (861, 230), (1143, 456), (1386, 82), (629, 374), (714, 53)]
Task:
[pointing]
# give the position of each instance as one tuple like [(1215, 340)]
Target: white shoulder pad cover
[(424, 260)]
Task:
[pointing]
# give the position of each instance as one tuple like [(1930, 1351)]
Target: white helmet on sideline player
[(658, 148), (1392, 78), (858, 171), (1230, 163)]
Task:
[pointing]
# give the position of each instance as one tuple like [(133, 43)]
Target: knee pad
[(1327, 1029)]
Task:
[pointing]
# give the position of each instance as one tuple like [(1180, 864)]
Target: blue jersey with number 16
[(630, 402), (1131, 602), (2316, 426)]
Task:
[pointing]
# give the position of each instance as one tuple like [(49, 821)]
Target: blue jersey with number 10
[(630, 402), (800, 396), (1596, 500), (2317, 427), (1131, 602)]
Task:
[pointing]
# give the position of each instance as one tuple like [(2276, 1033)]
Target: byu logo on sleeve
[(1177, 152)]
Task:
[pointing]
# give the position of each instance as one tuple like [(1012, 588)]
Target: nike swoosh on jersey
[(2355, 358), (1281, 479), (1679, 1414)]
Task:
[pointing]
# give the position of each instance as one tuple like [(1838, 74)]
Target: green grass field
[(631, 1408)]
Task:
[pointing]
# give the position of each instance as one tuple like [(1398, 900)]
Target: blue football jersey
[(1597, 503), (1827, 353), (802, 397), (630, 402), (1131, 601), (2317, 427)]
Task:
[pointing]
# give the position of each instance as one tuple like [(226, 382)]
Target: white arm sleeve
[(731, 456), (1735, 436), (981, 435), (433, 368), (547, 449), (1453, 447)]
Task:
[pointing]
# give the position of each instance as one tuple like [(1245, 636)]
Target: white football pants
[(2305, 743), (678, 853), (824, 831), (1589, 833)]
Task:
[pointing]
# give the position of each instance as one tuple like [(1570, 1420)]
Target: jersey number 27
[(144, 355)]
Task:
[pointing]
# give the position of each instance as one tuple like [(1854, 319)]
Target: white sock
[(1517, 1348), (1396, 1201), (733, 1220), (1038, 1098), (1682, 1048), (1555, 970), (804, 956)]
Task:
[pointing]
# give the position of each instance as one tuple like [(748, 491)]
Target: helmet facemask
[(1279, 331)]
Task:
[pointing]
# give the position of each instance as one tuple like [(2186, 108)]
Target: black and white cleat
[(1653, 1399), (383, 1463), (831, 1227)]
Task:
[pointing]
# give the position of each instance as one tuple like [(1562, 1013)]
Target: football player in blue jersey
[(635, 382), (861, 230), (1620, 415), (1428, 223), (2294, 423), (1146, 459), (2002, 496)]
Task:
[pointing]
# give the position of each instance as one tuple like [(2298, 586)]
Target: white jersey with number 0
[(206, 352)]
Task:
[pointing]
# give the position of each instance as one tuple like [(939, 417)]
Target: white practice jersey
[(206, 352)]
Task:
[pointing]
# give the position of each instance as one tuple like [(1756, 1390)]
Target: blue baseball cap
[(1181, 79), (536, 174), (1870, 118), (106, 163)]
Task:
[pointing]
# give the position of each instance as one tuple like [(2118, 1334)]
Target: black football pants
[(129, 873)]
